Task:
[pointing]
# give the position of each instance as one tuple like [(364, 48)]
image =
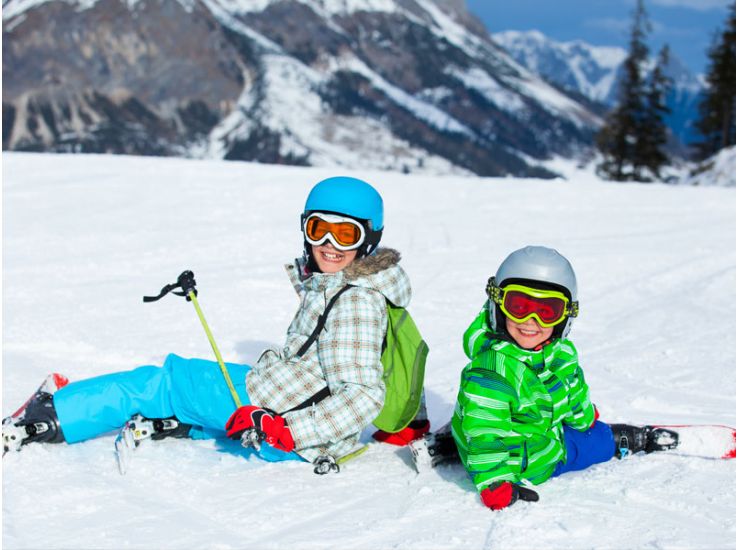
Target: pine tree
[(618, 139), (717, 112), (653, 134)]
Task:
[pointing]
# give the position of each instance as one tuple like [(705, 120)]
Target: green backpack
[(403, 358)]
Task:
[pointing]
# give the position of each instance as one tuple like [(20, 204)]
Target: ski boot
[(633, 439), (433, 449), (139, 428), (35, 422)]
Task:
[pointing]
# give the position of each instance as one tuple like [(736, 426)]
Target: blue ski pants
[(583, 449), (193, 390)]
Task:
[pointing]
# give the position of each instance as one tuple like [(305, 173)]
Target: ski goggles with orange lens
[(343, 233), (520, 303)]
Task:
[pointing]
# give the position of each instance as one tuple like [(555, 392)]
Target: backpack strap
[(325, 392), (321, 322)]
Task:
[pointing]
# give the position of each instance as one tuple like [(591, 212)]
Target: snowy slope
[(717, 170), (86, 236)]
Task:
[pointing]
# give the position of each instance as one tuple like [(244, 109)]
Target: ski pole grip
[(186, 281), (164, 291)]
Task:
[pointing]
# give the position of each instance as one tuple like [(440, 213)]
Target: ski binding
[(138, 429), (13, 434)]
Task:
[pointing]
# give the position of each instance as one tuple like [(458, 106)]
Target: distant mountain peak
[(587, 69), (594, 72)]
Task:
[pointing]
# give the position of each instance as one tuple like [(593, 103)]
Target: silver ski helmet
[(538, 267), (351, 197)]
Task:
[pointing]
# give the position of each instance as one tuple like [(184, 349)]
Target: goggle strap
[(371, 240), (494, 292)]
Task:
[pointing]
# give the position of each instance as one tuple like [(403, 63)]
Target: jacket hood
[(379, 271)]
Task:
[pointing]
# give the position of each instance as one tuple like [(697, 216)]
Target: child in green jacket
[(523, 413)]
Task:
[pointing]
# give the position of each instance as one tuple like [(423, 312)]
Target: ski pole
[(186, 282)]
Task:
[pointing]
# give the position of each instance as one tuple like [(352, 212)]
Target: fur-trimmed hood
[(382, 259), (379, 271)]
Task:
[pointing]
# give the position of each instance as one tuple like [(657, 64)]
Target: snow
[(292, 107), (225, 11), (420, 109), (240, 7), (85, 237), (718, 170), (14, 8), (449, 30), (476, 79), (554, 101), (325, 7)]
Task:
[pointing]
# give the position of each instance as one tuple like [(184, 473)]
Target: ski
[(712, 441), (703, 440), (14, 433), (138, 429), (125, 444)]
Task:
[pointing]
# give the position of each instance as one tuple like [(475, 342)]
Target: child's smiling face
[(330, 259), (528, 334)]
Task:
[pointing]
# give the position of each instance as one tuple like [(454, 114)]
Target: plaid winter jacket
[(345, 358), (512, 405)]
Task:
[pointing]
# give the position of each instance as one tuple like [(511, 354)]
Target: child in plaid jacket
[(308, 400)]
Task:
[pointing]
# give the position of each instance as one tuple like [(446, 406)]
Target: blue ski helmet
[(350, 197)]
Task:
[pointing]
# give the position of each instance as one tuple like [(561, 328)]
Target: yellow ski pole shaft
[(193, 298)]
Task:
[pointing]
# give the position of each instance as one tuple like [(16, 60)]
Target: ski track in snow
[(86, 236)]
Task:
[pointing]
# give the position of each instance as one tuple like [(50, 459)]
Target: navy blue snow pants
[(583, 449)]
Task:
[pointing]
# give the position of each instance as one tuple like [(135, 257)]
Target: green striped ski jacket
[(512, 405)]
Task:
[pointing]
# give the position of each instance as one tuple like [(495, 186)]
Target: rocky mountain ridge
[(413, 85)]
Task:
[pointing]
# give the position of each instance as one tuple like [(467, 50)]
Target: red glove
[(501, 495), (413, 431), (269, 425)]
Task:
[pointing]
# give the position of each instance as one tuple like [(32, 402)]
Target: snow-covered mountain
[(411, 85), (590, 70), (593, 71)]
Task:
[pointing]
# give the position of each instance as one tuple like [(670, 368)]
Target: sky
[(687, 26)]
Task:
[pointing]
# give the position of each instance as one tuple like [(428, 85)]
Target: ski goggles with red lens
[(520, 303), (342, 232)]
